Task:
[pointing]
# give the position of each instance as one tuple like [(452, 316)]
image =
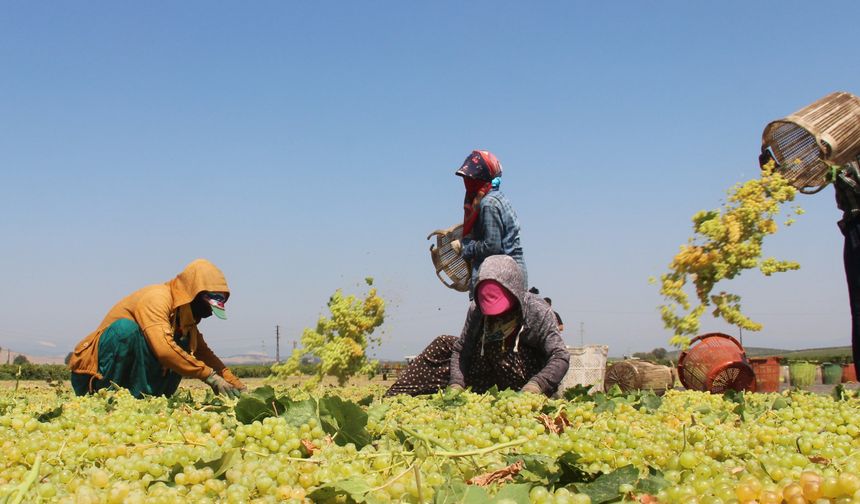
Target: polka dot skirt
[(499, 366)]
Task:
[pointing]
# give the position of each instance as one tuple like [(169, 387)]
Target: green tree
[(20, 360)]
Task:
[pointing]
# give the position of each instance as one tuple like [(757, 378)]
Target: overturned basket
[(632, 374), (807, 142), (449, 262)]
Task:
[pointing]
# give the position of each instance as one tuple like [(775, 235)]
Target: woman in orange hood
[(149, 340)]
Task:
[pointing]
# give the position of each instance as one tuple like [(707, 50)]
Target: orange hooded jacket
[(155, 309)]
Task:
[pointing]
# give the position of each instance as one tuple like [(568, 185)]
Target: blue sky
[(302, 146)]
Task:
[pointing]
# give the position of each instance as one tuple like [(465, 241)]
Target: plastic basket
[(849, 373), (587, 367), (831, 373), (802, 374), (715, 362), (449, 262), (806, 142), (767, 372)]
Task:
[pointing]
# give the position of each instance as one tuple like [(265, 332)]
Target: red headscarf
[(478, 171)]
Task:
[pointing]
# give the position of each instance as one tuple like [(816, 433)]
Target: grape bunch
[(726, 242), (340, 341)]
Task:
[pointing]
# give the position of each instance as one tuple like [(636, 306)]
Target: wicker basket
[(634, 374), (587, 367), (826, 132), (449, 262)]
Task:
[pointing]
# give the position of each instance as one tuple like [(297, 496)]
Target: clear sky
[(302, 146)]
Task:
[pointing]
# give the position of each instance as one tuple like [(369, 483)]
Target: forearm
[(173, 357)]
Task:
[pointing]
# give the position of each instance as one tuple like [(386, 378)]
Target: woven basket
[(634, 374), (447, 261), (587, 367), (826, 132)]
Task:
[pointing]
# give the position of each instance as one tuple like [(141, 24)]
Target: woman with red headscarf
[(490, 225)]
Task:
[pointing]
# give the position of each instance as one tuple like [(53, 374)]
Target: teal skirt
[(126, 360)]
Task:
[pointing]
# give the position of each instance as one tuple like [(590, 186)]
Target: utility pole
[(582, 334), (278, 344), (741, 329)]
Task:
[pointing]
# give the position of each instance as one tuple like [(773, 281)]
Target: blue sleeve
[(491, 225)]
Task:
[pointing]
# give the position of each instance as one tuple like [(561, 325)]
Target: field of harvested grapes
[(350, 445)]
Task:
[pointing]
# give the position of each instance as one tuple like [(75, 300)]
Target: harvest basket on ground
[(831, 373), (449, 262), (807, 142), (587, 367), (635, 374), (849, 373), (715, 362), (802, 373), (767, 374)]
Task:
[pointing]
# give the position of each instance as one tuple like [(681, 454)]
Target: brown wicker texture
[(826, 132), (634, 374), (445, 260)]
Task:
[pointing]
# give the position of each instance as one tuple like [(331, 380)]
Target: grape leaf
[(454, 492), (653, 483), (513, 494), (345, 421), (49, 415), (651, 402), (265, 394), (297, 413), (577, 393), (250, 409), (356, 489), (538, 469), (570, 470), (220, 465), (605, 488)]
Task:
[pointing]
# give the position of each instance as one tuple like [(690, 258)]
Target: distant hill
[(813, 354), (250, 359), (9, 355)]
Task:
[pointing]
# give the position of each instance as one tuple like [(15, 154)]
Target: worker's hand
[(455, 386), (457, 247), (532, 388), (233, 379), (221, 386)]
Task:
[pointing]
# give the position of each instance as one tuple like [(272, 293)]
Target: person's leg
[(851, 258), (429, 371), (126, 360)]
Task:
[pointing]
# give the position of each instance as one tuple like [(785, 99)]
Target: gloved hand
[(233, 379), (455, 386), (221, 386), (532, 388), (457, 247)]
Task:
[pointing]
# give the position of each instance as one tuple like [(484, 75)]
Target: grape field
[(348, 444)]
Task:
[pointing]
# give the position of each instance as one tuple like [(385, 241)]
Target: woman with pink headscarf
[(510, 340)]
